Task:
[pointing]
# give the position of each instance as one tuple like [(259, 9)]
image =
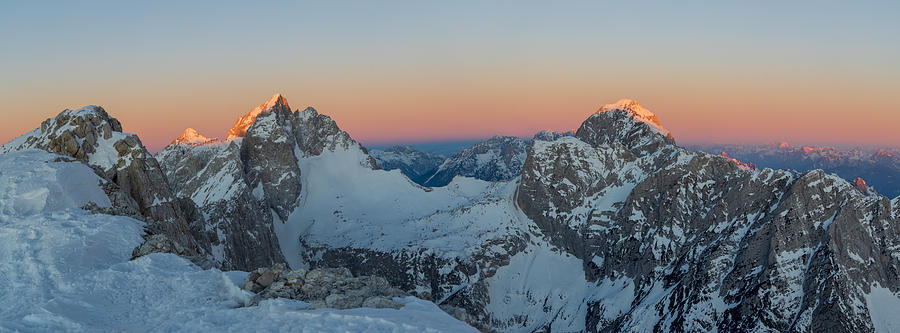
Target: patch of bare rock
[(323, 288)]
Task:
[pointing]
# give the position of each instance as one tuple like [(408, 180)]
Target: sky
[(816, 72)]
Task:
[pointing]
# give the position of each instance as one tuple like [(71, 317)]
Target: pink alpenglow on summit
[(860, 184), (190, 136), (638, 111), (243, 123), (743, 165)]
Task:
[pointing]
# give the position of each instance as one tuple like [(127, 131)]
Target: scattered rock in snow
[(323, 288), (158, 243)]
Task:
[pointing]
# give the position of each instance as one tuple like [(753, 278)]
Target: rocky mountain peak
[(883, 154), (190, 136), (632, 107), (88, 134), (245, 187), (135, 183), (860, 184), (625, 123), (275, 103)]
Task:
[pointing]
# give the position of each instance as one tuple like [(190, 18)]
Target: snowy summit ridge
[(638, 111), (276, 102), (190, 136)]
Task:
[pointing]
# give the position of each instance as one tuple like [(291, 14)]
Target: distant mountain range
[(879, 168), (419, 166), (499, 158)]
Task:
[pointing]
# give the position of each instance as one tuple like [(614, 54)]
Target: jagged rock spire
[(275, 103)]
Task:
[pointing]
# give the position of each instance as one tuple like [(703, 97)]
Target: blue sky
[(438, 65)]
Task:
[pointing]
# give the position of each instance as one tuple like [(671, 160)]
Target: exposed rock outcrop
[(861, 184), (242, 124), (89, 134), (743, 165), (323, 288), (246, 185)]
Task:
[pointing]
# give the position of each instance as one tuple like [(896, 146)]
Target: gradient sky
[(805, 72)]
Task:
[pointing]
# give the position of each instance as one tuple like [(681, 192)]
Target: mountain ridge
[(640, 233)]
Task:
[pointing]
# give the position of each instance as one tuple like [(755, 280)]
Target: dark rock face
[(499, 158), (459, 284), (92, 136), (317, 133), (702, 243), (246, 185), (416, 165), (239, 223), (620, 126), (271, 170)]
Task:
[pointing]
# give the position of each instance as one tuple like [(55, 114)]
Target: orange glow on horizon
[(408, 110)]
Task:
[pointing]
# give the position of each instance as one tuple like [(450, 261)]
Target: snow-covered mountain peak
[(638, 111), (190, 136), (135, 183), (88, 134), (275, 103), (498, 158), (630, 106), (275, 100), (86, 110), (310, 110), (625, 123), (883, 154)]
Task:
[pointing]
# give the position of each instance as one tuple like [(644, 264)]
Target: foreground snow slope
[(344, 204), (63, 269), (45, 184)]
